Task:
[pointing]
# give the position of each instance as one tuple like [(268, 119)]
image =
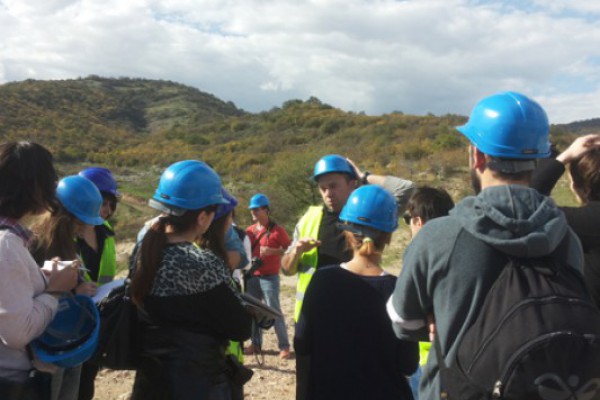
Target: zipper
[(548, 299)]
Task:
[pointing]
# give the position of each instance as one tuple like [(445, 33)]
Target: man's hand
[(306, 244), (289, 262), (431, 326)]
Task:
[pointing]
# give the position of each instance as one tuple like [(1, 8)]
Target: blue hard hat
[(102, 178), (259, 200), (225, 209), (81, 198), (72, 336), (509, 125), (187, 185), (371, 206), (333, 163)]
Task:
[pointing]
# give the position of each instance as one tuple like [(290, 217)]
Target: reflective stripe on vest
[(108, 260), (308, 226)]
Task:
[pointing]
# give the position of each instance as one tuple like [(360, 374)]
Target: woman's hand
[(578, 148), (87, 288), (64, 280)]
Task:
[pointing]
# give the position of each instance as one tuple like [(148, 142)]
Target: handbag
[(118, 343)]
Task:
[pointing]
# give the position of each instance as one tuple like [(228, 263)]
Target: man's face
[(335, 189), (260, 214)]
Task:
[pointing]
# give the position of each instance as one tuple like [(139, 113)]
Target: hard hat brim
[(167, 209)]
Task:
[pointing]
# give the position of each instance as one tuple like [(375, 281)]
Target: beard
[(475, 182)]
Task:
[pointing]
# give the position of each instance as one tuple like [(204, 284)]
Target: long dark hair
[(151, 251), (214, 238), (27, 179)]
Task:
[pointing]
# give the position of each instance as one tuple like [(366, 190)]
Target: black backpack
[(537, 337)]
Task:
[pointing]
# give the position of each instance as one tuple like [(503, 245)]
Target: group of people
[(360, 333)]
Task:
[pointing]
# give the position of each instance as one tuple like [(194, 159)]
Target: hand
[(306, 244), (357, 171), (431, 326), (579, 147), (87, 288), (63, 280)]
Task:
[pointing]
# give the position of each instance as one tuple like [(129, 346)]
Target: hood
[(514, 219)]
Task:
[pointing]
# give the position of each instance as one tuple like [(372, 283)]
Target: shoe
[(252, 349), (284, 354)]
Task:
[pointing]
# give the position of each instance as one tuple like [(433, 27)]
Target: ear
[(204, 219), (478, 160), (418, 221)]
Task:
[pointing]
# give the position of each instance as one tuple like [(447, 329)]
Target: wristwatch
[(364, 180)]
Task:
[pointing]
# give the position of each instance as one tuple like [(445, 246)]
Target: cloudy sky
[(377, 56)]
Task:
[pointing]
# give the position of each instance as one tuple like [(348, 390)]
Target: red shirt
[(275, 238)]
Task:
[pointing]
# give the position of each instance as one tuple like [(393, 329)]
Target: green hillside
[(137, 127)]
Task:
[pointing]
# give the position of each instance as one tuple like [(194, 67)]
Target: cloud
[(373, 56)]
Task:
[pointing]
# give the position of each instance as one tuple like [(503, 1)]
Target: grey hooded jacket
[(453, 261)]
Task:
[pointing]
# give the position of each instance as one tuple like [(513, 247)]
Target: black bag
[(118, 341), (537, 336)]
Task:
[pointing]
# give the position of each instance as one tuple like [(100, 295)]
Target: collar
[(18, 229)]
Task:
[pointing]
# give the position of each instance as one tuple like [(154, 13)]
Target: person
[(345, 346), (268, 241), (221, 238), (582, 158), (57, 236), (452, 263), (97, 248), (187, 305), (317, 239), (28, 299), (425, 204)]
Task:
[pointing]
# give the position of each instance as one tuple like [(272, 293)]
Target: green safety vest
[(108, 260), (308, 226)]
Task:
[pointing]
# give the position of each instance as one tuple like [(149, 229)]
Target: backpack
[(537, 337)]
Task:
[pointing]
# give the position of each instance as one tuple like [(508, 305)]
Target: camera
[(257, 262)]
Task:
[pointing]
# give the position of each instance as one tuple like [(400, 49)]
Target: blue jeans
[(267, 288), (414, 382)]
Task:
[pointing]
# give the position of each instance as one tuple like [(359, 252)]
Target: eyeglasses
[(407, 218)]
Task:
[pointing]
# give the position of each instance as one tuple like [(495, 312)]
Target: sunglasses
[(407, 217)]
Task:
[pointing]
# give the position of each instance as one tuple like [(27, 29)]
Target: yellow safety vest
[(423, 352), (308, 226), (108, 260)]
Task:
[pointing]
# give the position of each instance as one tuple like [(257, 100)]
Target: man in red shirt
[(269, 242)]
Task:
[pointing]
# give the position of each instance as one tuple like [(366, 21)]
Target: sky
[(377, 56)]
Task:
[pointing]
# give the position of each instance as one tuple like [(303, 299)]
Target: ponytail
[(367, 246), (148, 259)]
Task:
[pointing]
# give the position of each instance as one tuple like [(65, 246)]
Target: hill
[(77, 118), (138, 126)]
